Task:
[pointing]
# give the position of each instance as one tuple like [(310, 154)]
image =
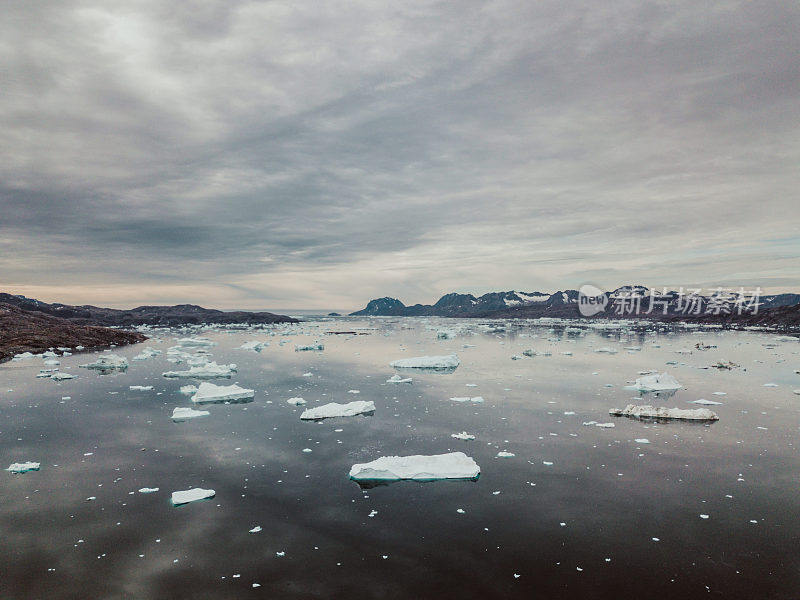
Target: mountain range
[(166, 316), (564, 304)]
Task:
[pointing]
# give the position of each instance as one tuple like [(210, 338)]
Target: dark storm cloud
[(321, 154)]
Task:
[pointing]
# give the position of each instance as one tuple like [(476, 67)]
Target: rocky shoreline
[(36, 332)]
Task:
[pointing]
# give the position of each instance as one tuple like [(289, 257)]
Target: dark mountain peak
[(382, 306)]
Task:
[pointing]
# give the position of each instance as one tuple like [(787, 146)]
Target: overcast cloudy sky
[(319, 154)]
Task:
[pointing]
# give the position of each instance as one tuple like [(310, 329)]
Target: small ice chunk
[(207, 371), (334, 409), (181, 413), (108, 361), (462, 436), (447, 362), (141, 388), (661, 412), (192, 495), (605, 350), (504, 454), (475, 399), (60, 376), (256, 529), (397, 379), (208, 392), (146, 490), (705, 402), (188, 389), (657, 382), (310, 347), (296, 401), (254, 345), (642, 441), (23, 467), (454, 465)]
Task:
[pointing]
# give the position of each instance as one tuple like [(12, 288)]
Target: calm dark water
[(580, 527)]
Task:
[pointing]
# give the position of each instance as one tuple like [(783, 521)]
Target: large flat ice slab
[(191, 495), (657, 382), (454, 465), (662, 412), (207, 371), (23, 467), (449, 361), (334, 409), (108, 361), (208, 392)]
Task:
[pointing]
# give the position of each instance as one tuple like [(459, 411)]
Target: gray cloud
[(277, 154)]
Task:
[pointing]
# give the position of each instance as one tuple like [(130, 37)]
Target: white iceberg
[(23, 356), (334, 409), (454, 465), (309, 347), (191, 495), (140, 388), (463, 436), (60, 376), (504, 454), (475, 399), (705, 402), (108, 361), (661, 412), (147, 490), (196, 342), (181, 413), (255, 346), (449, 361), (657, 383), (208, 392), (397, 379), (23, 467), (188, 389), (296, 401), (207, 371)]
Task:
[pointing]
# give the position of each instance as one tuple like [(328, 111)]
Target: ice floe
[(208, 392), (108, 361), (446, 362), (207, 371), (454, 465), (463, 436), (255, 346), (296, 401), (61, 376), (23, 467), (334, 409), (662, 412), (309, 347), (140, 388), (657, 382), (181, 413), (192, 495), (398, 379), (475, 399)]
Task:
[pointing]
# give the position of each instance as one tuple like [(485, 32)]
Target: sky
[(275, 154)]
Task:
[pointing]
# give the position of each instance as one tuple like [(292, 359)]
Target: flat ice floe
[(657, 383), (188, 389), (705, 402), (662, 412), (334, 409), (23, 467), (296, 401), (196, 342), (140, 388), (208, 392), (397, 379), (454, 465), (475, 399), (108, 361), (147, 353), (192, 495), (449, 361), (60, 376), (255, 346), (207, 371), (309, 347), (181, 413), (463, 436)]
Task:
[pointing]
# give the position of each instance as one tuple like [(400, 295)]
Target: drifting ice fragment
[(454, 465), (450, 361), (397, 379), (108, 361), (642, 441), (185, 496), (334, 409), (476, 399), (310, 347), (504, 454), (705, 402), (147, 490), (296, 401), (208, 392), (23, 467), (141, 388), (208, 371), (462, 436), (197, 342), (657, 383), (62, 376), (605, 350), (188, 389), (181, 413), (661, 412), (255, 346)]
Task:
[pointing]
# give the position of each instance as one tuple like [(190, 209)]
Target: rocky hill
[(34, 331)]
